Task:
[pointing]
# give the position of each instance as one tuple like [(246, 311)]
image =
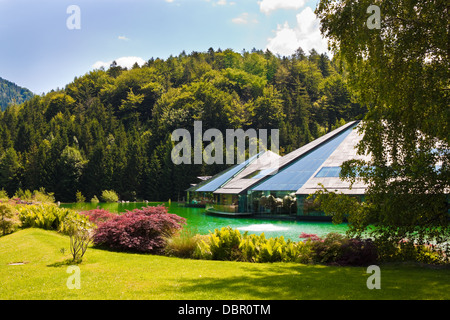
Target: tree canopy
[(110, 129), (400, 71), (10, 93)]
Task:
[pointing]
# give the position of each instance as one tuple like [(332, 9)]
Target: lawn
[(112, 276)]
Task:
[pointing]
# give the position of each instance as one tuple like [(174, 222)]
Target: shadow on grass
[(67, 262), (317, 282), (285, 283)]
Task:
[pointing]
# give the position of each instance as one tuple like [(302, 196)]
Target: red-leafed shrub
[(358, 252), (141, 230), (98, 216), (311, 236), (150, 210), (337, 249)]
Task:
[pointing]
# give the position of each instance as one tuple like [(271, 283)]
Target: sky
[(45, 44)]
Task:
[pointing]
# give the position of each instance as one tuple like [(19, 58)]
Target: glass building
[(268, 184)]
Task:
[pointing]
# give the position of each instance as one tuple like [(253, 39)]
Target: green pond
[(203, 223)]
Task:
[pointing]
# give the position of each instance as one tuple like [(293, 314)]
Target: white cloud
[(123, 38), (306, 34), (244, 19), (222, 3), (267, 6), (124, 62)]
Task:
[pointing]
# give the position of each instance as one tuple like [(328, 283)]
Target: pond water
[(203, 223)]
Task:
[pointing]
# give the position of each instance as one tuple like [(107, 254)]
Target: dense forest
[(111, 129), (12, 93)]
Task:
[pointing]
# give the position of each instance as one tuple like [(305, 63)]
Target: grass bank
[(112, 275)]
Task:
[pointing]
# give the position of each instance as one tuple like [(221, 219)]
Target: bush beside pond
[(49, 217), (154, 230), (138, 230), (229, 244)]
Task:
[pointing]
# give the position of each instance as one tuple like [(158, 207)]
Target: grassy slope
[(110, 275)]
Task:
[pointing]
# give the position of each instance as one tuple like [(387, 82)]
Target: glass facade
[(273, 192), (307, 208), (272, 202), (229, 203), (196, 198)]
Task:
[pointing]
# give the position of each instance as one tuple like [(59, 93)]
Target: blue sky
[(38, 51)]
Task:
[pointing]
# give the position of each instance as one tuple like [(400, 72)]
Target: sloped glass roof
[(222, 178), (264, 173), (297, 172), (329, 172)]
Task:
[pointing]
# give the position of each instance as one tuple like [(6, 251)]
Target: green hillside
[(111, 129), (10, 92)]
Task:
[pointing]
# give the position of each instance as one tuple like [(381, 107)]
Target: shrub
[(3, 195), (42, 216), (410, 251), (37, 196), (47, 216), (73, 219), (256, 248), (80, 197), (310, 236), (431, 255), (223, 244), (151, 210), (43, 197), (338, 249), (26, 195), (7, 218), (328, 249), (138, 231), (110, 196), (95, 200), (80, 234), (357, 252), (98, 216), (304, 252), (229, 244), (202, 251), (182, 244)]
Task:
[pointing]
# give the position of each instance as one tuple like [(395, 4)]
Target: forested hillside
[(110, 129), (12, 93)]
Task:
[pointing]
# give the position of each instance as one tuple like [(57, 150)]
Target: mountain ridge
[(11, 92)]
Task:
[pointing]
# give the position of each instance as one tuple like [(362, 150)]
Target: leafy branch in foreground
[(402, 73), (400, 236), (80, 233), (342, 207)]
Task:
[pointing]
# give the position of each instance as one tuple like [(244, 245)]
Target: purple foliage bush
[(336, 249), (98, 216), (141, 230), (358, 252)]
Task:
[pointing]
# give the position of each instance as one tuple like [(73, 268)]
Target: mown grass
[(112, 276)]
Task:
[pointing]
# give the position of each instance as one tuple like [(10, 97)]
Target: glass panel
[(329, 172), (299, 171), (226, 176)]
